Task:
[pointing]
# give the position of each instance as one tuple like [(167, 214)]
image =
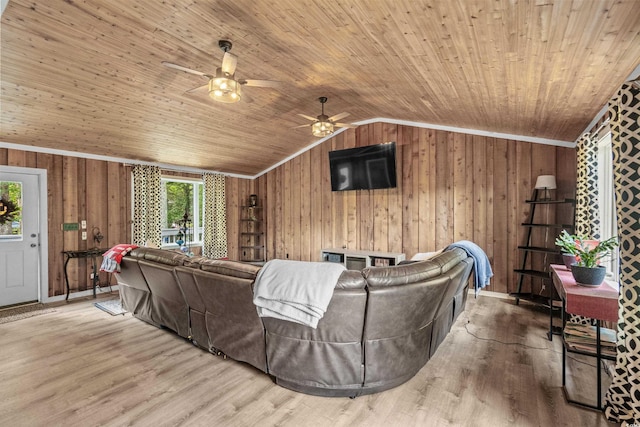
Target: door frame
[(43, 230)]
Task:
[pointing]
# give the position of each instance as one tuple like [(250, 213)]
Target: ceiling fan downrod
[(322, 100)]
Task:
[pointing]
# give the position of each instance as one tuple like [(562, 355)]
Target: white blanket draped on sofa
[(296, 291)]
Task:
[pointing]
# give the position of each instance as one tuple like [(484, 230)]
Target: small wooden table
[(84, 253), (597, 302)]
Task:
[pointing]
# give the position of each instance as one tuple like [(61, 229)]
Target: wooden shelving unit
[(529, 250), (252, 236)]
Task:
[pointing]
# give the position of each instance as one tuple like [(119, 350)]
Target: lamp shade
[(546, 182)]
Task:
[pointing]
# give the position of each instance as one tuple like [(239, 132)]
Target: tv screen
[(363, 168)]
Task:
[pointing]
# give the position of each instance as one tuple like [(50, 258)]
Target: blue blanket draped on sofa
[(481, 266)]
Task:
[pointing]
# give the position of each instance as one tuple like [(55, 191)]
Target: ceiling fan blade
[(199, 89), (345, 125), (301, 126), (185, 69), (229, 62), (338, 117), (314, 119), (260, 83)]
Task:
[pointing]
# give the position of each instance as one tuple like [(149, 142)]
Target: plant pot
[(568, 260), (587, 276)]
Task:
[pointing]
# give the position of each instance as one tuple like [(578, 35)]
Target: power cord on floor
[(520, 344), (108, 284), (502, 342)]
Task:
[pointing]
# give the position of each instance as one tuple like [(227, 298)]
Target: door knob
[(33, 245), (34, 235)]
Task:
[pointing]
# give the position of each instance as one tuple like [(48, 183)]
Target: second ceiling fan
[(223, 85), (324, 125)]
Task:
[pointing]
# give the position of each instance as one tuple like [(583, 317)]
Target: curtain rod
[(599, 129), (194, 171), (634, 82)]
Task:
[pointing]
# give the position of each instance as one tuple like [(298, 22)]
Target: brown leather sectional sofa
[(382, 324)]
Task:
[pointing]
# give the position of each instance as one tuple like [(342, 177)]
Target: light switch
[(84, 235), (84, 225)]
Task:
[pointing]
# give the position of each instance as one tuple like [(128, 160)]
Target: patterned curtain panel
[(587, 212), (147, 224), (587, 209), (215, 220), (623, 397)]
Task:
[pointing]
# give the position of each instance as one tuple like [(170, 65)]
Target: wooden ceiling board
[(87, 76)]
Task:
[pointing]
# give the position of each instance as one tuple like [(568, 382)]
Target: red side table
[(597, 302)]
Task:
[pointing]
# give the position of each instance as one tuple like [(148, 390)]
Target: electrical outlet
[(84, 235), (84, 224)]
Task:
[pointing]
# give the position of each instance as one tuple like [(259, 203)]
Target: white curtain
[(606, 196)]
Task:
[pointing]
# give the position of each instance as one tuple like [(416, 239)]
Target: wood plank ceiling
[(86, 76)]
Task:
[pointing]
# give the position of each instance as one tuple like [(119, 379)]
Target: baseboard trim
[(75, 295), (492, 294)]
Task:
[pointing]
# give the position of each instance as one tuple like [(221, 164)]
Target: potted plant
[(567, 245), (588, 253)]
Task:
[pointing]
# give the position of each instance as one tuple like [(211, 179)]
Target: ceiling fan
[(323, 125), (223, 85)]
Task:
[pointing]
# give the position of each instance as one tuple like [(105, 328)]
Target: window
[(606, 198), (182, 198), (10, 210)]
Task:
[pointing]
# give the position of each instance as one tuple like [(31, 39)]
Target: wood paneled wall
[(451, 187), (79, 189)]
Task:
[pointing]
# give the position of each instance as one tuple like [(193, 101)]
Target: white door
[(19, 239)]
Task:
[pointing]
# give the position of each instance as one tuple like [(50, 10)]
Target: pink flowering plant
[(588, 253)]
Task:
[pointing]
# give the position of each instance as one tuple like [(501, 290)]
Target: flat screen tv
[(363, 168)]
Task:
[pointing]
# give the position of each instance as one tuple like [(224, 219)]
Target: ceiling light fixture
[(323, 126), (224, 88)]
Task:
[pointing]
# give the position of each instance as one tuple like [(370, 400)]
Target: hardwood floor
[(80, 366)]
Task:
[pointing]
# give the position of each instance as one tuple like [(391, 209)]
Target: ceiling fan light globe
[(320, 129), (224, 90)]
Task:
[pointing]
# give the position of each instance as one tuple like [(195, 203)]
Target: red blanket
[(112, 258)]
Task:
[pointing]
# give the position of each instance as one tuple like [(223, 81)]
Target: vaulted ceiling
[(86, 75)]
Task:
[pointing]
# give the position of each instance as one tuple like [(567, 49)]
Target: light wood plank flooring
[(81, 366)]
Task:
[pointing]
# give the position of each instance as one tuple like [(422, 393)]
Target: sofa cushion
[(164, 257), (194, 261), (160, 256), (401, 274), (230, 268)]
